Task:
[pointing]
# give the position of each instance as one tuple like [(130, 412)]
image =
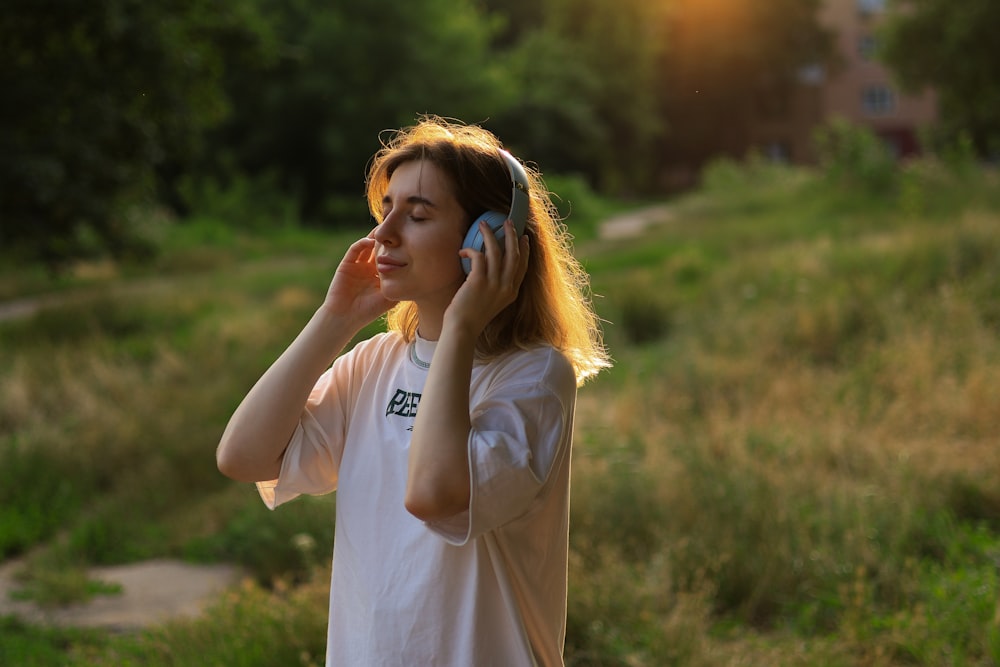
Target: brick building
[(860, 90)]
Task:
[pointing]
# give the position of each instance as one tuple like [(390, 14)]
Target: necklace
[(417, 360)]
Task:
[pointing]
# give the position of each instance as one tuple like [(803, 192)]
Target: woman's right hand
[(254, 442), (355, 291)]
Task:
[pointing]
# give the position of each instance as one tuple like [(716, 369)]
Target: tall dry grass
[(802, 438)]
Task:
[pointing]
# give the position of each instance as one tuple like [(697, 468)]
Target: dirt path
[(633, 223), (152, 592), (21, 308)]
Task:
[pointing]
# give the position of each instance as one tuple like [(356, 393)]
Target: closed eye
[(416, 204)]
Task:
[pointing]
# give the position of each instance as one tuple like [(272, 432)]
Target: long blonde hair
[(553, 305)]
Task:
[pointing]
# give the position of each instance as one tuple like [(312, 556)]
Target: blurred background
[(791, 215), (273, 107)]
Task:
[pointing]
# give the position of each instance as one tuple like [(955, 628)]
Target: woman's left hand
[(494, 281)]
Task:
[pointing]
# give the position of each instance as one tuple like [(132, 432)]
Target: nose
[(386, 232)]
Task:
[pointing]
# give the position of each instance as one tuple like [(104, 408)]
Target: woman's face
[(422, 230)]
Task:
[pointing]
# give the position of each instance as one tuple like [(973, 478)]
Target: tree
[(97, 93), (949, 46), (346, 72), (587, 101), (553, 118)]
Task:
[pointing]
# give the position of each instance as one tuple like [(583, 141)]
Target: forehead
[(420, 178)]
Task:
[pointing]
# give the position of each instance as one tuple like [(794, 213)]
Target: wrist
[(337, 324), (460, 332)]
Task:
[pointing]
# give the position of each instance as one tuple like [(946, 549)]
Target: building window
[(867, 47), (878, 100), (868, 7)]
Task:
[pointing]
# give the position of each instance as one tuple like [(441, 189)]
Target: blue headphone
[(518, 211)]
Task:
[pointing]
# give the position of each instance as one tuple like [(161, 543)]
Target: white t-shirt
[(486, 587)]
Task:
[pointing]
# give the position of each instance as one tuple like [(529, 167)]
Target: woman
[(452, 519)]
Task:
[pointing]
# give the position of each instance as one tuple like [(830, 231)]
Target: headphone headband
[(519, 205)]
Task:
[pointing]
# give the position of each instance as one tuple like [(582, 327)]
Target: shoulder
[(540, 365), (381, 345), (379, 350)]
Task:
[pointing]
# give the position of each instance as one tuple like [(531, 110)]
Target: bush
[(288, 543), (38, 495), (726, 176), (240, 201), (853, 157), (578, 205)]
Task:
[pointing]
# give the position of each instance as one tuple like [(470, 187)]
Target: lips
[(386, 264)]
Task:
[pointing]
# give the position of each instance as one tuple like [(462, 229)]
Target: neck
[(428, 326)]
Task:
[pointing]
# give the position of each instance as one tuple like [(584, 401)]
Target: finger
[(512, 252), (361, 251), (373, 255), (475, 260), (510, 236), (491, 248)]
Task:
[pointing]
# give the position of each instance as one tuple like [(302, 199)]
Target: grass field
[(793, 462)]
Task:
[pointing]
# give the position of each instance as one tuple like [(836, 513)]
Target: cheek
[(450, 262), (442, 245), (449, 244)]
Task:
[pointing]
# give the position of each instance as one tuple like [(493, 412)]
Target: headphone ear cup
[(474, 237)]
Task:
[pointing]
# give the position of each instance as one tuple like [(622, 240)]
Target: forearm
[(254, 442), (438, 483)]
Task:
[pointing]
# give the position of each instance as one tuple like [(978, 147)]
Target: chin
[(393, 295), (394, 292)]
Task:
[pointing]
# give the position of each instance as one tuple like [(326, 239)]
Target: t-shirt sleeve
[(311, 462), (520, 428)]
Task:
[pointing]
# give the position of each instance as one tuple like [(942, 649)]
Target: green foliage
[(950, 48), (25, 645), (38, 495), (726, 176), (289, 544), (623, 509), (749, 185), (243, 202), (263, 112), (854, 157), (642, 313), (264, 628), (54, 587), (348, 71), (620, 43), (580, 208), (97, 96), (553, 119)]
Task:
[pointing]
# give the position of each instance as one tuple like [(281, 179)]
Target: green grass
[(804, 374), (792, 462)]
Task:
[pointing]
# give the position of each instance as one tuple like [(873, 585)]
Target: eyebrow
[(412, 199)]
